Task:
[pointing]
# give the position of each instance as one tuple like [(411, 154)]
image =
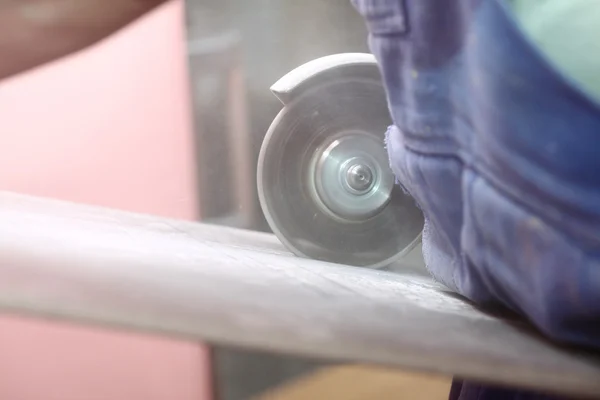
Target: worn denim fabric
[(502, 154), (473, 391)]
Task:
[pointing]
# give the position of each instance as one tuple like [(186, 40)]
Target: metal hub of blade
[(351, 177), (324, 182)]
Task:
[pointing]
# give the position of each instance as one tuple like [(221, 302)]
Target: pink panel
[(108, 126)]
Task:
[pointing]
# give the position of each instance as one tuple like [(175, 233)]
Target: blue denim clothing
[(474, 391), (501, 152)]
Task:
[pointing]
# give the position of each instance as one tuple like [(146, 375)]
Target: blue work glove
[(501, 150)]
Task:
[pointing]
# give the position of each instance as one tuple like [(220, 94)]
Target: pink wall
[(109, 126)]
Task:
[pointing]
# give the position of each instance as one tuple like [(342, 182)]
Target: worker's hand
[(34, 32)]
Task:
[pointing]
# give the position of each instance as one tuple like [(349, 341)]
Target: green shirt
[(567, 32)]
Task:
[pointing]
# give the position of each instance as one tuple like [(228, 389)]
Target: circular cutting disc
[(324, 182)]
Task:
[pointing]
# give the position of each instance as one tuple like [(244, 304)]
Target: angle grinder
[(324, 181)]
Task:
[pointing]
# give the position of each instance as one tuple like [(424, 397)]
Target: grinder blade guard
[(324, 181)]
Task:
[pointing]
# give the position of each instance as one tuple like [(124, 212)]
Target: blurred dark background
[(237, 50)]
